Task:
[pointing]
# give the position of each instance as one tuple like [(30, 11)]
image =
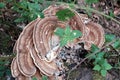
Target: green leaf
[(72, 5), (109, 37), (76, 34), (112, 14), (94, 48), (64, 14), (116, 45), (100, 55), (2, 5), (8, 0), (63, 42), (97, 67), (19, 20), (67, 30), (98, 60), (42, 15), (33, 6), (36, 1), (103, 72), (1, 73), (91, 57), (67, 35), (107, 66), (34, 78), (2, 63), (8, 72), (44, 78), (91, 1), (23, 3), (2, 67), (101, 61), (59, 32)]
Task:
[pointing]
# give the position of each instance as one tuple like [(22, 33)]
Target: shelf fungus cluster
[(37, 46)]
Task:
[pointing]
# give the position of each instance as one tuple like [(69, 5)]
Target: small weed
[(67, 35), (110, 37), (4, 70), (100, 63), (28, 10), (91, 1), (64, 14), (34, 78), (43, 78)]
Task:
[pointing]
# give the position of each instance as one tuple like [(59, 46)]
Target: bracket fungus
[(37, 46)]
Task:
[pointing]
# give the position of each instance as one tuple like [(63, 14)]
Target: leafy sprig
[(110, 37), (100, 63), (64, 14), (28, 10), (91, 1), (67, 35), (43, 78)]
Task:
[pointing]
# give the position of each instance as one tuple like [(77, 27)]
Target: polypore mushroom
[(48, 68), (27, 57), (95, 35), (14, 68), (37, 46), (24, 60)]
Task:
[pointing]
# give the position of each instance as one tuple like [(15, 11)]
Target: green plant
[(110, 37), (2, 5), (43, 78), (34, 78), (100, 63), (111, 13), (67, 35), (116, 44), (91, 1), (28, 10), (4, 69), (66, 1), (64, 14)]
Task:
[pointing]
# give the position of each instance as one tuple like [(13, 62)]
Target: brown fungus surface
[(37, 46)]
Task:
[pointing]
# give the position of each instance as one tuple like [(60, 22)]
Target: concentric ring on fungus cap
[(47, 68), (40, 34), (35, 42), (24, 61), (95, 36)]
